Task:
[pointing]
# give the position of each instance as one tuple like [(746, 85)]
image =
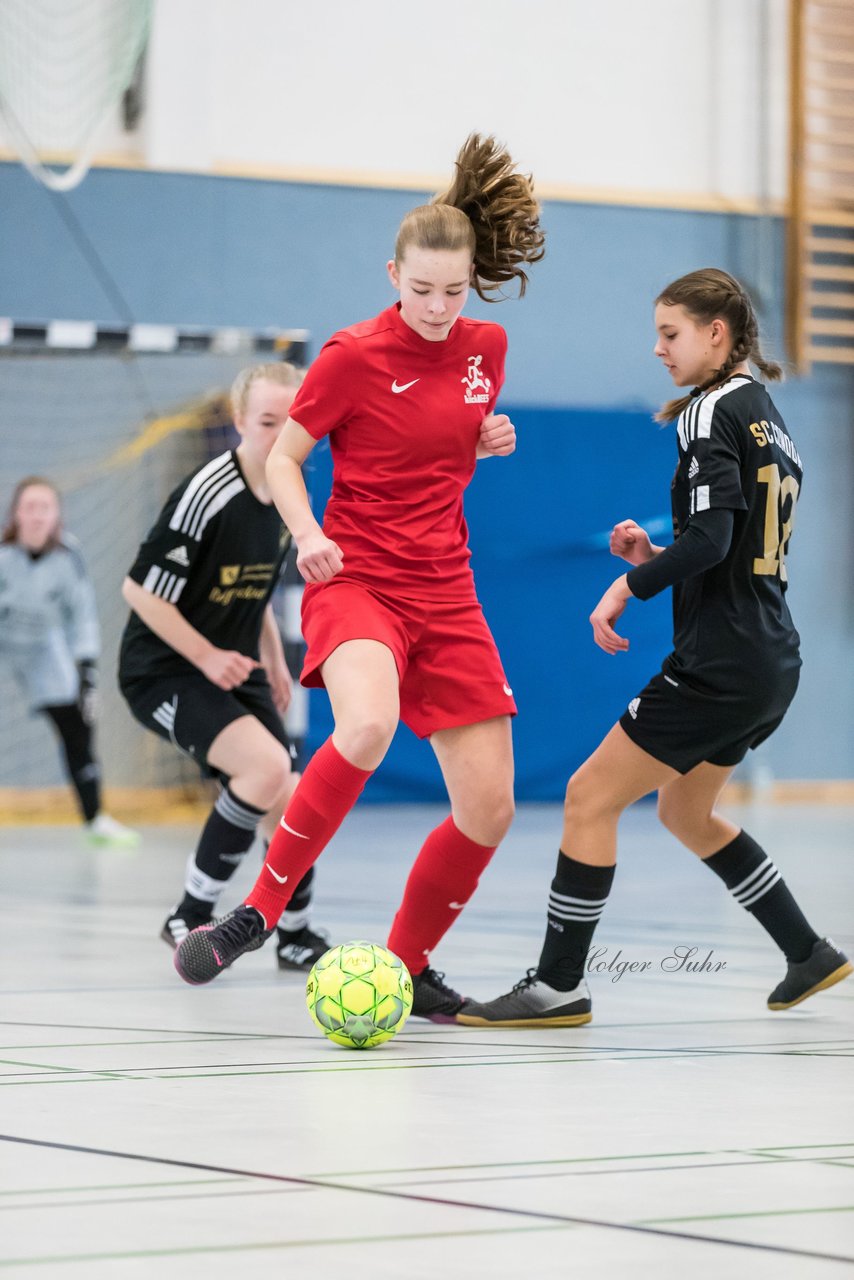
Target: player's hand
[(226, 668), (497, 435), (89, 704), (631, 543), (281, 687), (606, 613), (319, 558), (88, 701)]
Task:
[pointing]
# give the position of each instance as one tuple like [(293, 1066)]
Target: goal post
[(114, 417)]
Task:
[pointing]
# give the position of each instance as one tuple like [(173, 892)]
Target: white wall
[(635, 96)]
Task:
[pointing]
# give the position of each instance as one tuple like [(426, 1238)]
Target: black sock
[(755, 882), (295, 916), (75, 737), (577, 899), (225, 840)]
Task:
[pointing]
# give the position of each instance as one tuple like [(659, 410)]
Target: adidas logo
[(633, 708), (179, 555), (693, 469)]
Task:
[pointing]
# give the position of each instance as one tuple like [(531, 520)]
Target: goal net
[(115, 418)]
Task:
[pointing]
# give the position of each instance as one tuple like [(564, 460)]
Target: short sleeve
[(712, 450), (328, 394), (498, 380), (166, 557)]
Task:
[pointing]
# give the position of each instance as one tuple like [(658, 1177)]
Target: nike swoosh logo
[(456, 906), (396, 388), (293, 833), (281, 879)]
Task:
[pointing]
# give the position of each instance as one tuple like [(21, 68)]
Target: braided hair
[(711, 294), (490, 210)]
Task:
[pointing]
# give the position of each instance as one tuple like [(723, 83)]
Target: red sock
[(325, 795), (444, 877)]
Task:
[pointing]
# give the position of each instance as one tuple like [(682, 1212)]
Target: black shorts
[(682, 727), (189, 711)]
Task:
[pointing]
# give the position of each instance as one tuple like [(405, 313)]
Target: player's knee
[(584, 800), (676, 817), (364, 742), (489, 815), (269, 778)]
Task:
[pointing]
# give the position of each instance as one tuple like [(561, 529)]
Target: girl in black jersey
[(729, 680), (202, 663)]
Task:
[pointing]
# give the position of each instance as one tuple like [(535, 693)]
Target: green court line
[(172, 1197), (212, 1073), (119, 1186), (254, 1246), (184, 1031), (805, 1146), (520, 1164), (757, 1213), (113, 1044)]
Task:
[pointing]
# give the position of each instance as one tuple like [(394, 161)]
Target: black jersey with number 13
[(732, 627)]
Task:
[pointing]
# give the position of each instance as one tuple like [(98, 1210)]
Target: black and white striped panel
[(206, 494), (165, 584), (165, 715), (564, 907), (757, 884), (695, 422), (22, 336)]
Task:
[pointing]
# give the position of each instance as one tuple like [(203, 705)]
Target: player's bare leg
[(686, 806)]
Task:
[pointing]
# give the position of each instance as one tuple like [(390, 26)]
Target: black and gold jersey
[(732, 626), (216, 553)]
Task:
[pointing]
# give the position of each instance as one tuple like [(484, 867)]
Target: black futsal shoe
[(180, 923), (433, 999), (824, 967), (300, 949), (531, 1003), (208, 950)]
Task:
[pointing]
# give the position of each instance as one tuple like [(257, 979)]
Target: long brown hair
[(10, 528), (489, 209), (711, 294)]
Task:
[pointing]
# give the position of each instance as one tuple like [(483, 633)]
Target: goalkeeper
[(49, 635)]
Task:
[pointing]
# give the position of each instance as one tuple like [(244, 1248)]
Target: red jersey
[(403, 416)]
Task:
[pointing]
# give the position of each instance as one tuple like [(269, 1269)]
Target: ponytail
[(490, 210)]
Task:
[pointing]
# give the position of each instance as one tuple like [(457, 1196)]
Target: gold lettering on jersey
[(227, 597), (765, 432), (780, 502), (255, 571), (228, 574)]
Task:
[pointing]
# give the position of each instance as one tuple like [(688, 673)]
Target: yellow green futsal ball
[(359, 994)]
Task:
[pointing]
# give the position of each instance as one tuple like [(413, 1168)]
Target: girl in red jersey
[(391, 620)]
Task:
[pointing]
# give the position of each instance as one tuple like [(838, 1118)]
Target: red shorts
[(448, 663)]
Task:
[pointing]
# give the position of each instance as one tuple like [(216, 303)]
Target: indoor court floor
[(152, 1129)]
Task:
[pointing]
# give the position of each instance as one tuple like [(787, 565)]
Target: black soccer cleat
[(433, 999), (300, 949), (824, 967), (531, 1003), (180, 923), (208, 950)]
